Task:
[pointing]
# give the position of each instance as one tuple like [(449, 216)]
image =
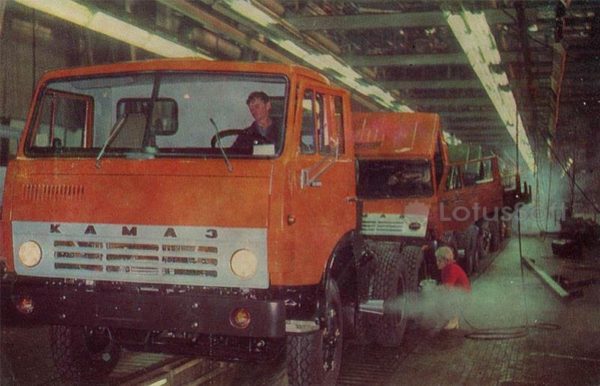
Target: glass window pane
[(338, 119), (307, 140)]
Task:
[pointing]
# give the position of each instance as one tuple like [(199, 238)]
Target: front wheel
[(315, 358), (415, 269), (83, 354)]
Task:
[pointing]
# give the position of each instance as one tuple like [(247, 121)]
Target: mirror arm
[(318, 169)]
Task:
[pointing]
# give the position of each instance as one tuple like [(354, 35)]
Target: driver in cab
[(264, 130)]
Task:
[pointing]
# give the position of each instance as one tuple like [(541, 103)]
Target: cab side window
[(307, 139), (453, 180), (322, 123), (338, 120), (62, 120), (438, 162)]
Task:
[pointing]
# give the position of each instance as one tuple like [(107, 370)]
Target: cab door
[(454, 213), (323, 178)]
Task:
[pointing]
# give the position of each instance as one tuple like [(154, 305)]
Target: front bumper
[(178, 310)]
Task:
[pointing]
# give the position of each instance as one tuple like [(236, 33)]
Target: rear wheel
[(471, 249), (484, 240), (315, 358), (390, 285), (83, 354), (495, 235)]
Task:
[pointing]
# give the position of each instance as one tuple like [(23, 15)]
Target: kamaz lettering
[(133, 231)]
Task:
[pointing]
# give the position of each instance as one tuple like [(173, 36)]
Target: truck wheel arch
[(340, 266)]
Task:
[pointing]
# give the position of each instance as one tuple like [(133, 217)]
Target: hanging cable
[(548, 203)]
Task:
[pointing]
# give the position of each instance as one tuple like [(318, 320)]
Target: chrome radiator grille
[(393, 224), (144, 254), (136, 258), (382, 226)]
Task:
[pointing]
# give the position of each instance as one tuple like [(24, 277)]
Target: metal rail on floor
[(557, 289), (186, 371)]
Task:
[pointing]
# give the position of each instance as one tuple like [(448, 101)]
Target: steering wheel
[(223, 134)]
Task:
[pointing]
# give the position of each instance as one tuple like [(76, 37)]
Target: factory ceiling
[(402, 55)]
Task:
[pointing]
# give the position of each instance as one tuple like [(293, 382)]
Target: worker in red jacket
[(453, 277)]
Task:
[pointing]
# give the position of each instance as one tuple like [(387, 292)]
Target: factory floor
[(516, 330)]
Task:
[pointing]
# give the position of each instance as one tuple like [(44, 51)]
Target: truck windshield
[(158, 114), (394, 179)]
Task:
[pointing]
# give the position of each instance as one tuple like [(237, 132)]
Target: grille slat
[(137, 258), (382, 226)]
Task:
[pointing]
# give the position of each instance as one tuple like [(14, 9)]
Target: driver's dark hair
[(257, 95)]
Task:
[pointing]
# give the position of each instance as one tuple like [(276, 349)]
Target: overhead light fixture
[(344, 73), (475, 37), (106, 24), (451, 139), (291, 47), (567, 167), (250, 11)]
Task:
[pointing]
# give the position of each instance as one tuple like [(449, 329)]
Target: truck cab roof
[(188, 64), (395, 135)]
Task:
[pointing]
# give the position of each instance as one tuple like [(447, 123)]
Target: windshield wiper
[(114, 131), (229, 167)]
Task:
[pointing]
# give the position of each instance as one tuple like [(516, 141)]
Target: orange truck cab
[(415, 196), (129, 220)]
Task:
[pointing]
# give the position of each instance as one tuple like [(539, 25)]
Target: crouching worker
[(453, 278)]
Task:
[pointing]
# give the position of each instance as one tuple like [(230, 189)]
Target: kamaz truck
[(129, 220), (416, 195)]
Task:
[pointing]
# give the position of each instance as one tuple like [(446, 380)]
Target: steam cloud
[(432, 307)]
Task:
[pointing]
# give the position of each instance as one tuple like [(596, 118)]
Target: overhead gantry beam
[(389, 20), (430, 59), (451, 102), (430, 84)]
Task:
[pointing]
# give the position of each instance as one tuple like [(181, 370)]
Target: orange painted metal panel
[(395, 135)]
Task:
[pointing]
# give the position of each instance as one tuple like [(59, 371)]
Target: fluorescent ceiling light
[(249, 11), (568, 166), (475, 37), (451, 138), (291, 47), (108, 25), (67, 10)]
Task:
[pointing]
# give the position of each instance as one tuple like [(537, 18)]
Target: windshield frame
[(91, 151)]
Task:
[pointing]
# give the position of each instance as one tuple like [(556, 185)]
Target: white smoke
[(433, 306)]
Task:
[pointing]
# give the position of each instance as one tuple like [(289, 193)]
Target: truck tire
[(472, 253), (390, 284), (484, 240), (363, 333), (82, 354), (412, 261), (315, 358), (495, 235)]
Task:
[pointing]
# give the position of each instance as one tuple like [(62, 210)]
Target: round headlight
[(244, 263), (30, 253)]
